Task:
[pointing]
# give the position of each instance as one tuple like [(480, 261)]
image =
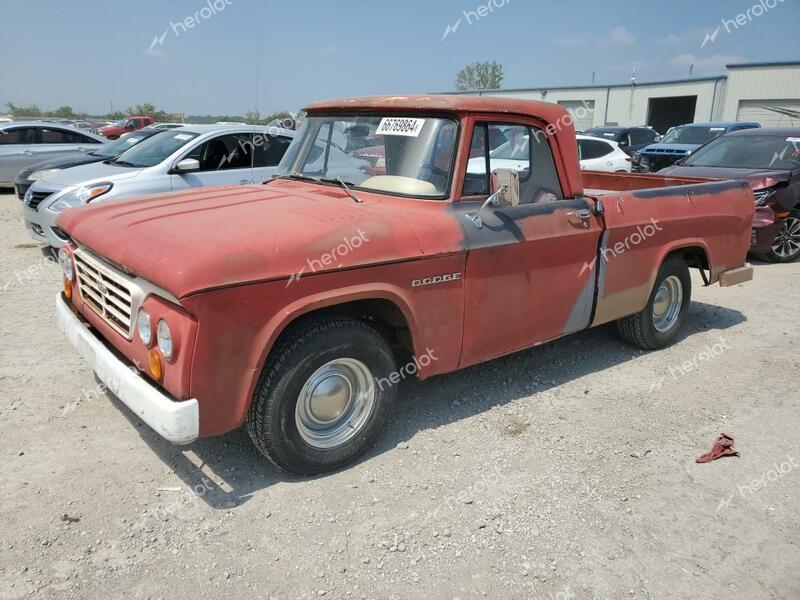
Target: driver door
[(530, 273)]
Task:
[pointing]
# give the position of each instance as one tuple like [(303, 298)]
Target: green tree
[(146, 109), (480, 76), (24, 111), (63, 112)]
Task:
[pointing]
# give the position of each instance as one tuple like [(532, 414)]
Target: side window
[(269, 149), (82, 139), (223, 153), (18, 135), (55, 136), (526, 150), (640, 136), (593, 149)]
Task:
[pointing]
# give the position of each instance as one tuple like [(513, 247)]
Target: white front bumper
[(177, 422)]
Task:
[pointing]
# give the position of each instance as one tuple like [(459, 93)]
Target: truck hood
[(667, 149), (89, 173), (191, 241), (757, 178)]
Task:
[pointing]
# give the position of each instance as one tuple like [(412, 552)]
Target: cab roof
[(443, 103)]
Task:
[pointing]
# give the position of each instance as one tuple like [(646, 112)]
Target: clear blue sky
[(88, 53)]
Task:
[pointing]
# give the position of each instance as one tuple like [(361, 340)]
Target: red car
[(296, 307), (112, 132)]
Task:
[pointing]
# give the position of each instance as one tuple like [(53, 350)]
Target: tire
[(320, 401), (656, 327), (786, 247)]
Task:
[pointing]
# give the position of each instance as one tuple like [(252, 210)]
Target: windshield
[(120, 123), (749, 152), (119, 146), (409, 156), (155, 149), (692, 135)]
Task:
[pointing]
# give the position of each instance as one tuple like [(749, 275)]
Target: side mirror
[(187, 165), (505, 183)]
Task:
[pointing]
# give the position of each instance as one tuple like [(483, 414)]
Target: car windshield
[(154, 149), (119, 146), (692, 135), (405, 155), (749, 152), (120, 123)]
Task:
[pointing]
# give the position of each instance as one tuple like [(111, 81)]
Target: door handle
[(580, 217), (243, 181)]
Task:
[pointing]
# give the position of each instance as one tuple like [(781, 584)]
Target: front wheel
[(323, 397), (786, 247), (658, 324)]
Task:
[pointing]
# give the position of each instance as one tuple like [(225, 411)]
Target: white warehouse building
[(768, 93)]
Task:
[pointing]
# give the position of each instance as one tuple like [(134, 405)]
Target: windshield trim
[(432, 114)]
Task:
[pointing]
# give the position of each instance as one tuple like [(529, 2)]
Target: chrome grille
[(105, 291), (34, 199)]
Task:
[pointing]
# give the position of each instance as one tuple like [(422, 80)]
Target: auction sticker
[(400, 126)]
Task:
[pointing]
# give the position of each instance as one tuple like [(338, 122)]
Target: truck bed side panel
[(644, 226)]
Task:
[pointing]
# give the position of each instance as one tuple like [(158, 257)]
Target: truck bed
[(599, 183)]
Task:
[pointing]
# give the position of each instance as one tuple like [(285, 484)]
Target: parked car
[(296, 307), (769, 160), (112, 132), (600, 154), (630, 139), (594, 154), (172, 160), (25, 143), (681, 141), (107, 151)]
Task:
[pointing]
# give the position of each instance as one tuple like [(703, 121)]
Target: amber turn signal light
[(156, 366), (67, 289)]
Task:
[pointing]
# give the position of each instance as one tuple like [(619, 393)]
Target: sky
[(283, 55)]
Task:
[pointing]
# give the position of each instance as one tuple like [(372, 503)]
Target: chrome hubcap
[(667, 304), (787, 243), (335, 403)]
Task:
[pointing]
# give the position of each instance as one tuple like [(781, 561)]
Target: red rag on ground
[(722, 447)]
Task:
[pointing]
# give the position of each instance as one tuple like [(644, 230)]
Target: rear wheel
[(786, 247), (320, 402), (657, 325)]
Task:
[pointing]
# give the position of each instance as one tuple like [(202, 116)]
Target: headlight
[(143, 325), (81, 195), (66, 264), (761, 196), (36, 175), (164, 337)]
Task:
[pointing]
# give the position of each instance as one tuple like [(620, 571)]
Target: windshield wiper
[(124, 163), (344, 185), (294, 175)]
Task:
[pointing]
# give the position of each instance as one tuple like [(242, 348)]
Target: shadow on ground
[(421, 405)]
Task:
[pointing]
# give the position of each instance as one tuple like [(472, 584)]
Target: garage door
[(582, 112), (770, 113)]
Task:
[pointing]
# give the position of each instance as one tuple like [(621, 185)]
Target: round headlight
[(66, 264), (164, 337), (144, 327)]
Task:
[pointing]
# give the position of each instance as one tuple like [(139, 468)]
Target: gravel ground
[(563, 472)]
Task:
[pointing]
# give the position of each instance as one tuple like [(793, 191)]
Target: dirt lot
[(564, 472)]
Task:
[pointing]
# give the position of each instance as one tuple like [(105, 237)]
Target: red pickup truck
[(123, 126), (296, 307)]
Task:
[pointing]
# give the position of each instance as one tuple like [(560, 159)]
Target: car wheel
[(320, 401), (658, 324), (786, 247)]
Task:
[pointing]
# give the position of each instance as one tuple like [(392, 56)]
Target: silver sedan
[(173, 160), (23, 144)]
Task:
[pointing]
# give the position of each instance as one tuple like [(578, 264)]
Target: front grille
[(105, 292), (34, 199)]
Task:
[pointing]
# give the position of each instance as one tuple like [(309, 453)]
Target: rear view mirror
[(187, 165), (506, 182)]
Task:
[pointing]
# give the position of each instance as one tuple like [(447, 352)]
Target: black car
[(630, 139), (39, 170)]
